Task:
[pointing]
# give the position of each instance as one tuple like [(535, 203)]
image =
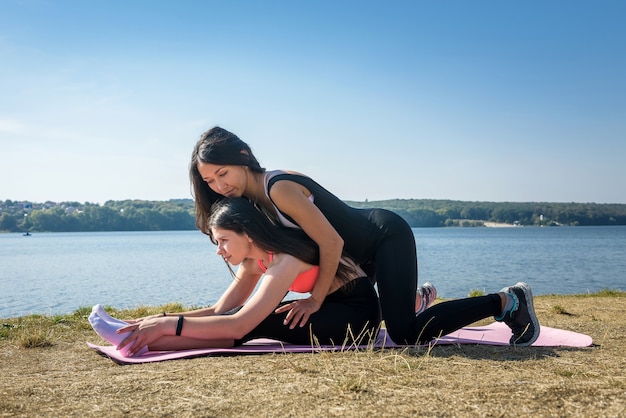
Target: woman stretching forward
[(284, 259)]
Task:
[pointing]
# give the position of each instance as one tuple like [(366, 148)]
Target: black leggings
[(446, 317), (348, 314), (394, 269)]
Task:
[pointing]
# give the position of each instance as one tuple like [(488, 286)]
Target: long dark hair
[(239, 215), (221, 147)]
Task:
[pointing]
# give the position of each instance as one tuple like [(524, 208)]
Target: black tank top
[(361, 236)]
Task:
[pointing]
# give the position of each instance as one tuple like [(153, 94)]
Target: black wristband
[(179, 325)]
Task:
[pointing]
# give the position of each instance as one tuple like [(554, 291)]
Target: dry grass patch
[(62, 377)]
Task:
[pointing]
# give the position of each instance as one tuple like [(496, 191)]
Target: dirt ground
[(47, 370)]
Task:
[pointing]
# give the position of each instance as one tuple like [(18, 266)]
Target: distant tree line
[(125, 215), (433, 213), (178, 214)]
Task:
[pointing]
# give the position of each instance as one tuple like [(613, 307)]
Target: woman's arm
[(292, 199), (235, 296), (272, 289), (248, 275)]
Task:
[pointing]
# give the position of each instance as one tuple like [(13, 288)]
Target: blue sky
[(462, 100)]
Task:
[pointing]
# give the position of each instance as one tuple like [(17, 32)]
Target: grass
[(559, 310), (48, 370), (475, 293)]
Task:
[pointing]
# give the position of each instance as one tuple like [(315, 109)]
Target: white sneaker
[(427, 294)]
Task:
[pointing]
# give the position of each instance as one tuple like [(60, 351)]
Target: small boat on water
[(27, 234)]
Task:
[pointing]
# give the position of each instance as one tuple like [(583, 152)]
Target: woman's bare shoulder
[(296, 173), (288, 261)]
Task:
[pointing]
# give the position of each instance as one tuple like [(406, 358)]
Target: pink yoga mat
[(493, 334)]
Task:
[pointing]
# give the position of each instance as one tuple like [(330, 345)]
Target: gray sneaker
[(427, 293), (521, 318)]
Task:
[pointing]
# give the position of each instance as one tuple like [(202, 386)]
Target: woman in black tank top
[(222, 165)]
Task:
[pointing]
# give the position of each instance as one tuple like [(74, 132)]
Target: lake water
[(50, 273)]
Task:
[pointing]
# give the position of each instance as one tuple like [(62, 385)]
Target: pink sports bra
[(304, 282)]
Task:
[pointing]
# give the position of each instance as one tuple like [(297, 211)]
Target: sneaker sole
[(433, 292), (528, 294)]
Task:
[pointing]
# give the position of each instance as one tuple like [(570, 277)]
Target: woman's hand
[(299, 311), (138, 320), (145, 332)]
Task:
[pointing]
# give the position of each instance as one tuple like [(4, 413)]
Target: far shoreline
[(499, 225)]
